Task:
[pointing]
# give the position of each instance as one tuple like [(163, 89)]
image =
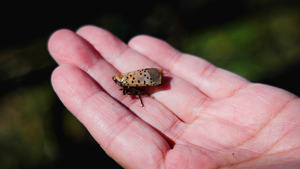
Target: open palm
[(201, 117)]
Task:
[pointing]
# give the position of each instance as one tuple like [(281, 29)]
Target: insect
[(139, 78)]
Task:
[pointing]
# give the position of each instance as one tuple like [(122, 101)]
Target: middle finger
[(181, 97)]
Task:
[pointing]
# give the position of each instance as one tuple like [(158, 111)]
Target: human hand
[(201, 117)]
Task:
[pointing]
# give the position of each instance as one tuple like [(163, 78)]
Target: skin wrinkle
[(239, 109), (181, 131), (105, 80), (110, 138), (163, 154), (287, 122), (261, 154), (163, 163), (264, 143), (238, 138), (259, 115), (234, 125), (214, 140), (174, 61), (130, 103), (210, 155), (234, 91), (187, 142), (116, 54), (268, 93), (88, 107), (225, 121), (281, 110), (236, 109), (280, 140), (248, 149), (167, 130), (235, 163), (188, 148), (205, 71), (253, 115), (218, 163), (163, 131), (241, 88), (154, 145), (89, 98), (202, 104), (190, 152), (186, 99), (89, 69), (267, 140), (148, 117), (225, 156), (231, 162), (107, 35), (260, 96)]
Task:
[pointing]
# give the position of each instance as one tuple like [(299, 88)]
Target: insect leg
[(128, 91), (141, 100), (132, 91), (139, 91), (124, 91)]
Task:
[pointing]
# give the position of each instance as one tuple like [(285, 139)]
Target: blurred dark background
[(257, 39)]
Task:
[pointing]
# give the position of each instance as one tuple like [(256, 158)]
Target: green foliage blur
[(254, 47)]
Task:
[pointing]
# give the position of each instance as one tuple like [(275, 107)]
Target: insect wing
[(138, 78), (143, 77)]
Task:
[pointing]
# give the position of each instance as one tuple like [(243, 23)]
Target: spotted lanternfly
[(139, 78)]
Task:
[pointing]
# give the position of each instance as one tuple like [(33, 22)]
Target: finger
[(67, 47), (119, 133), (182, 98), (214, 82)]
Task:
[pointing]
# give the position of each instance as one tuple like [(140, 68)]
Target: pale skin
[(201, 117)]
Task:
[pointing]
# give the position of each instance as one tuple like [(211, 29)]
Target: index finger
[(215, 82), (178, 95)]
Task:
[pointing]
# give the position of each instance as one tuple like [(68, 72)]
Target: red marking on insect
[(139, 78)]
